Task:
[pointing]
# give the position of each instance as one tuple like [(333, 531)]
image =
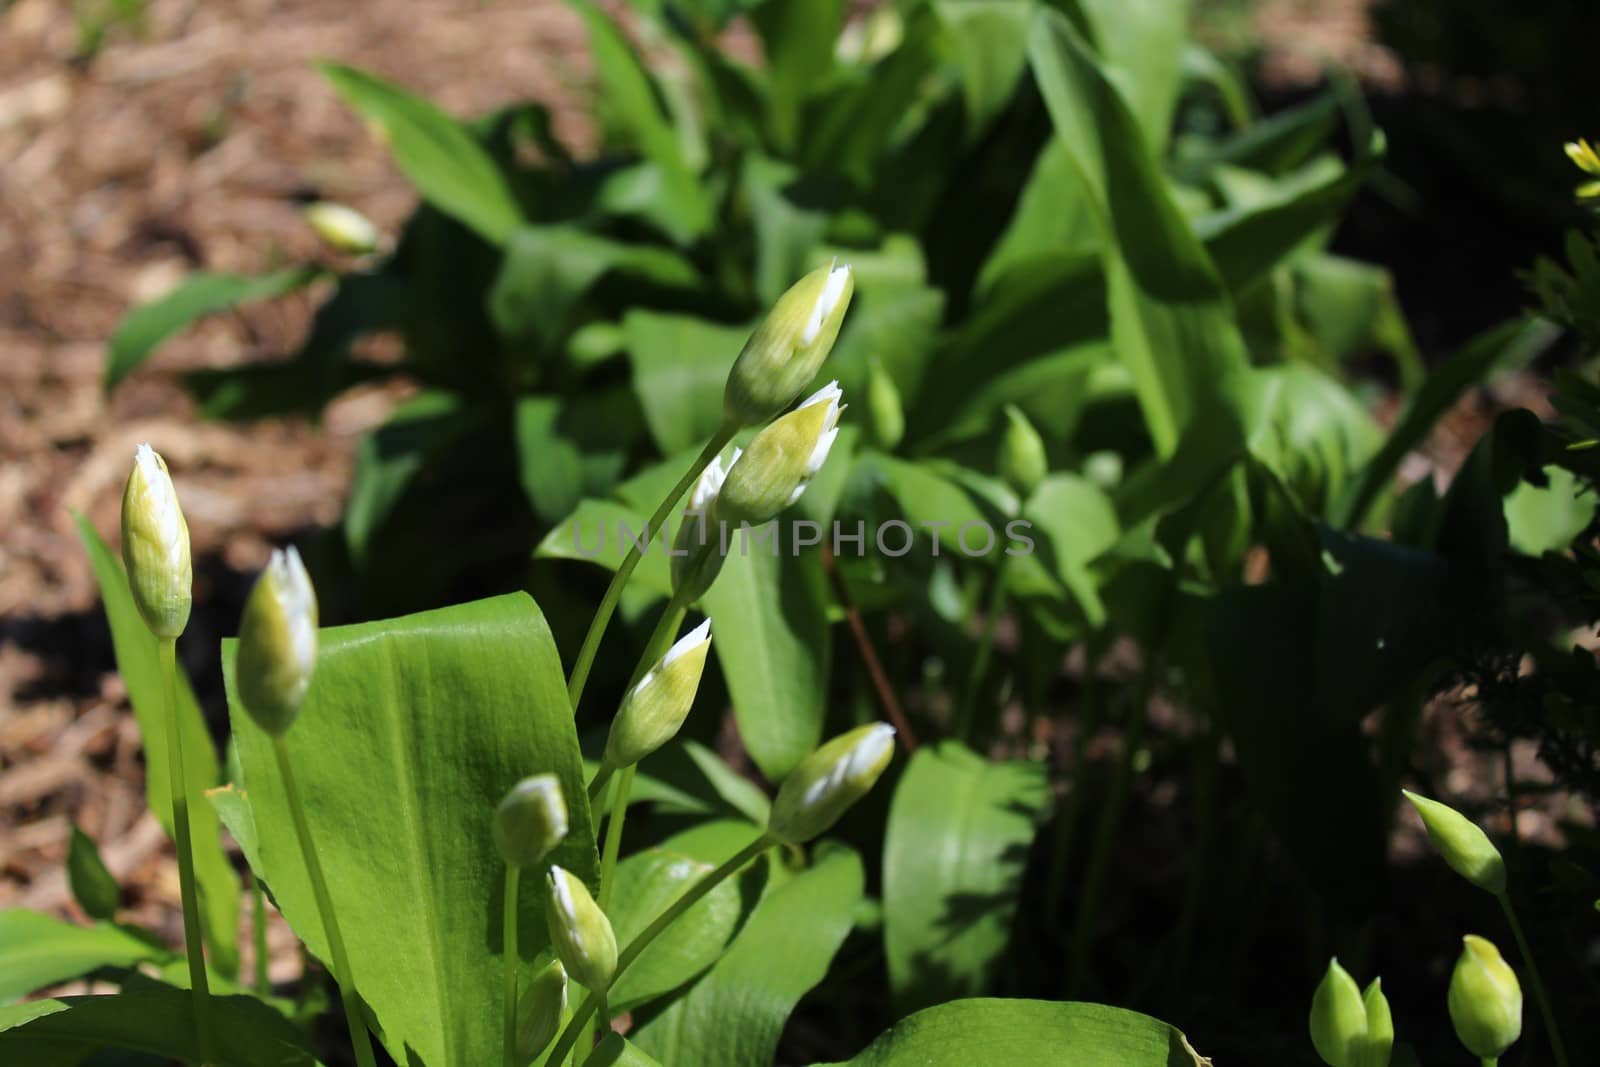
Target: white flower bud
[(277, 643), (784, 353), (775, 470), (531, 820), (827, 782), (654, 710), (697, 549), (540, 1009), (155, 546), (580, 932), (344, 229)]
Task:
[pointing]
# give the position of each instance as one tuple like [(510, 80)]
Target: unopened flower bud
[(155, 546), (697, 549), (278, 643), (829, 781), (531, 820), (1485, 1000), (653, 710), (344, 229), (1380, 1027), (786, 350), (1462, 843), (580, 932), (775, 470), (540, 1009), (886, 417), (1022, 462), (1338, 1018), (1349, 1029)]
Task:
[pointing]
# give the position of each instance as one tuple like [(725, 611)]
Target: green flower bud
[(1347, 1028), (1022, 462), (775, 470), (1380, 1027), (1338, 1018), (343, 229), (531, 820), (1485, 1000), (277, 643), (1462, 843), (540, 1009), (580, 932), (155, 546), (653, 710), (886, 417), (829, 781), (697, 554), (786, 350)]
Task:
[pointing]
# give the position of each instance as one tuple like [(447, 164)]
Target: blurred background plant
[(1232, 310)]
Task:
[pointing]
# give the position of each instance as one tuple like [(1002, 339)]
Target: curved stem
[(319, 889), (710, 881), (509, 936), (608, 604), (258, 926), (193, 944), (1557, 1048)]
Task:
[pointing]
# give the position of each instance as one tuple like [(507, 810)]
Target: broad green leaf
[(548, 268), (991, 52), (139, 664), (618, 1051), (602, 531), (1141, 44), (769, 617), (1309, 430), (1052, 217), (448, 167), (787, 230), (413, 731), (96, 892), (1495, 351), (630, 99), (953, 856), (1171, 320), (966, 1033), (38, 950), (797, 37), (388, 458), (565, 449), (157, 1020), (647, 884), (1071, 522), (680, 365), (1546, 518), (934, 505), (198, 295), (733, 1016)]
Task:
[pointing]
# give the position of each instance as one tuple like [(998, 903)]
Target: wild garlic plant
[(275, 668)]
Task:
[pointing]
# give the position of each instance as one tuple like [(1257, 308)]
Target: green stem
[(1072, 805), (980, 662), (1557, 1048), (508, 928), (619, 812), (597, 787), (258, 925), (193, 944), (608, 604), (319, 889), (706, 884)]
